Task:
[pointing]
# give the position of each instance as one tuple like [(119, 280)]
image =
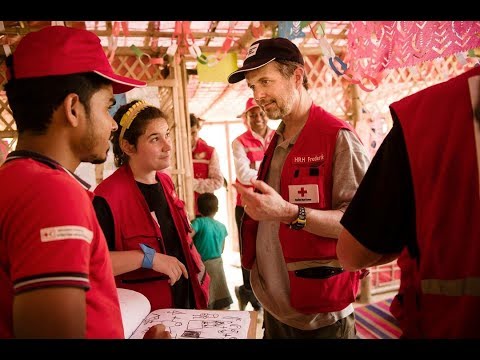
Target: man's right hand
[(157, 332)]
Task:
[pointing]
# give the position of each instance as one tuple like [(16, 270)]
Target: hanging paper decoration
[(217, 72), (154, 41), (304, 23), (125, 28), (227, 44), (296, 31), (257, 29), (374, 46), (290, 30), (113, 41), (340, 67), (145, 58), (181, 35)]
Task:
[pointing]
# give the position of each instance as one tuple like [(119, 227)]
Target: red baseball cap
[(251, 103), (60, 50)]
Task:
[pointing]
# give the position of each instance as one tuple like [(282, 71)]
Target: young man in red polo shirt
[(56, 278)]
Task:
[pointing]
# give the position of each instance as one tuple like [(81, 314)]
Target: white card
[(303, 194)]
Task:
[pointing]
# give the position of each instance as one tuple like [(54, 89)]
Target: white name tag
[(303, 194)]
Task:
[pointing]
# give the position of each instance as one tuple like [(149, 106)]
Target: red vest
[(135, 225), (441, 288), (255, 151), (201, 156), (308, 163)]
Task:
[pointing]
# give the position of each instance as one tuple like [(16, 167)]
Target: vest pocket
[(311, 295), (132, 238)]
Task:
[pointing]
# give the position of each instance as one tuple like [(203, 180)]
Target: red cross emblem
[(302, 192)]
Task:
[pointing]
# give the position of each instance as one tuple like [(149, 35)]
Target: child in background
[(209, 239)]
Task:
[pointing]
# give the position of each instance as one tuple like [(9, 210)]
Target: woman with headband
[(144, 221)]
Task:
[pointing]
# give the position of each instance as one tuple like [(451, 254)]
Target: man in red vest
[(207, 176), (420, 199), (310, 172), (248, 151)]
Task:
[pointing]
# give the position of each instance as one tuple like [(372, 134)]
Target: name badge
[(303, 194)]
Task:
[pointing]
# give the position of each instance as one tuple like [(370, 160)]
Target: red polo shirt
[(49, 236)]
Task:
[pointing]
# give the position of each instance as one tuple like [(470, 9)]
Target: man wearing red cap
[(56, 277), (291, 223), (248, 150)]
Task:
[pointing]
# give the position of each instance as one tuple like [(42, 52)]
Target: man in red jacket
[(310, 172)]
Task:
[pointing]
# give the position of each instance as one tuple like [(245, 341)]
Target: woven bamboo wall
[(334, 93)]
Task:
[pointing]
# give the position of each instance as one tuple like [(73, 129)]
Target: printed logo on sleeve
[(70, 232), (303, 194)]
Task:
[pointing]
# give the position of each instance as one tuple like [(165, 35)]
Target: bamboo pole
[(356, 105), (231, 200), (182, 139)]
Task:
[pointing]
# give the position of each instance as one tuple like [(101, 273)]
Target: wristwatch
[(301, 220), (149, 254)]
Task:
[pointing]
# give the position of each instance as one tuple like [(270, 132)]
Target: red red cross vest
[(135, 225), (201, 156), (308, 163), (441, 289), (255, 151)]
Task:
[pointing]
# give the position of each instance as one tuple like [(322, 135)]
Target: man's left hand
[(266, 205)]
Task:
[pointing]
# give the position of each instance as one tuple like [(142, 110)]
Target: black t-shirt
[(381, 215), (155, 197)]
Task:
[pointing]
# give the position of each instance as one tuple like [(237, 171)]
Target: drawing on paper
[(197, 324)]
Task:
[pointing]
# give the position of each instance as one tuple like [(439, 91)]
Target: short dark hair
[(195, 121), (33, 100), (207, 204), (287, 68), (137, 128)]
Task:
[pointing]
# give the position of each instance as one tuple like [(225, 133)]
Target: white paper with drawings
[(134, 307), (198, 324)]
